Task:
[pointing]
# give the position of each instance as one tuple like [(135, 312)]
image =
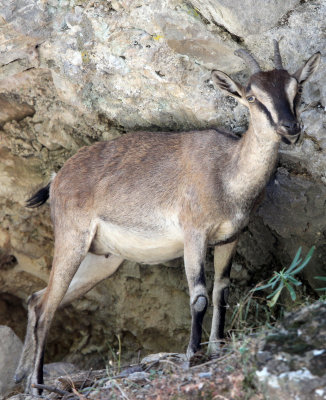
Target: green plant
[(285, 278), (249, 313), (115, 362), (321, 278), (112, 360)]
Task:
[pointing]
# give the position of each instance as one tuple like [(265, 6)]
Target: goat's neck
[(254, 162)]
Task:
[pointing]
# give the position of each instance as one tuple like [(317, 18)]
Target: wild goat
[(153, 197)]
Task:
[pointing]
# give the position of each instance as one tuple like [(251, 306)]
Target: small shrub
[(285, 278)]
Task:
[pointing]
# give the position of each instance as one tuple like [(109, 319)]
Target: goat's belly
[(143, 247)]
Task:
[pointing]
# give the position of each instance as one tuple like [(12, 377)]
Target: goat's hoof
[(214, 349), (198, 358), (190, 353)]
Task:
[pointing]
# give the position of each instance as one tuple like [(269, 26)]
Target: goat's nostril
[(291, 125)]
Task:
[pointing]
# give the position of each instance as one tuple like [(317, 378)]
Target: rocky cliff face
[(74, 72)]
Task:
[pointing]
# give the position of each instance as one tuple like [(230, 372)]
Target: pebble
[(205, 375), (138, 376)]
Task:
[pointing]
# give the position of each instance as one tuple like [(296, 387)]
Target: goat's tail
[(39, 197)]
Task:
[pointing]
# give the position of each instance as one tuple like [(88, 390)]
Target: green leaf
[(261, 287), (278, 277), (236, 309), (279, 289), (272, 302), (294, 281), (295, 261), (275, 277), (322, 278), (305, 262), (268, 284), (247, 309), (324, 288), (291, 290)]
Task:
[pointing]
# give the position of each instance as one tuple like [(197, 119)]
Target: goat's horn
[(249, 59), (277, 56)]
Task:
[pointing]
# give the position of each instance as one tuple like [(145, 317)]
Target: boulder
[(10, 349), (292, 358), (245, 17)]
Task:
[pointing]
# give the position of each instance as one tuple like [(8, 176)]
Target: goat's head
[(273, 97)]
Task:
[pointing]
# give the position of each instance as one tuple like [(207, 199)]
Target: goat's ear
[(228, 85), (308, 68)]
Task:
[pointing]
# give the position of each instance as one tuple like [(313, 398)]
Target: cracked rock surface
[(72, 73), (292, 359)]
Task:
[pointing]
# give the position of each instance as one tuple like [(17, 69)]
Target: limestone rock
[(53, 370), (191, 38), (292, 359), (155, 358), (12, 110), (10, 349), (299, 206), (245, 17)]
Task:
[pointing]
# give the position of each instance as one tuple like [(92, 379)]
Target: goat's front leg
[(222, 266), (194, 258)]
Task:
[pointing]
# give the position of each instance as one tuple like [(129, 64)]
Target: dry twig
[(52, 389)]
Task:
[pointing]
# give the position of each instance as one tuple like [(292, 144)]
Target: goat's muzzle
[(290, 131)]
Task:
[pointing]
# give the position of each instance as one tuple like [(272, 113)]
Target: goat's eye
[(300, 89), (251, 99)]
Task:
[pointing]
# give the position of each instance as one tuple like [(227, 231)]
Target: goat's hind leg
[(92, 271), (70, 249)]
